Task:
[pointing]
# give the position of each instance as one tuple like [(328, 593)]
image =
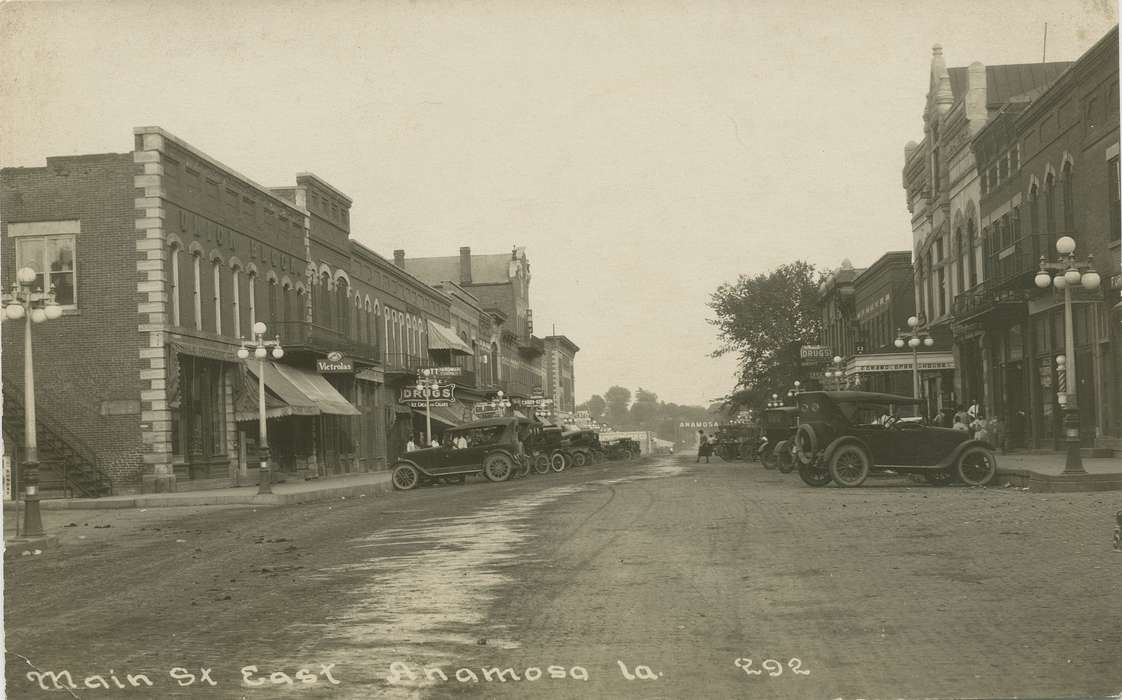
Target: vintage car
[(843, 436), (776, 444), (621, 448), (547, 450), (494, 450), (737, 441), (582, 446)]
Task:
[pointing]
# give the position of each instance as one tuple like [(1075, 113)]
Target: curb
[(16, 546), (219, 498), (1060, 483)]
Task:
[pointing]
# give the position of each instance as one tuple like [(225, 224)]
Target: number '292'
[(771, 667)]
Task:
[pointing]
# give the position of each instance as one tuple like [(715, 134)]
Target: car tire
[(806, 437), (849, 465), (580, 459), (814, 475), (785, 457), (769, 458), (976, 466), (405, 477), (497, 467), (541, 463), (557, 462)]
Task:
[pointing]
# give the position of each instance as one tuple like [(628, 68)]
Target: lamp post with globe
[(27, 302), (837, 373), (428, 386), (259, 348), (1065, 274), (913, 338)]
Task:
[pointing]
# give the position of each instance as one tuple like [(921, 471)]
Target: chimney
[(465, 265), (399, 258)]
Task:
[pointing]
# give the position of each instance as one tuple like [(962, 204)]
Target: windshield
[(480, 437), (868, 413)]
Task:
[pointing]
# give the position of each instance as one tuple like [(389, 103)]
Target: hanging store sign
[(539, 402), (443, 371), (419, 398), (334, 363), (815, 352)]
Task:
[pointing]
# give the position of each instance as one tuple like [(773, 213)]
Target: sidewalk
[(283, 494), (1044, 472)]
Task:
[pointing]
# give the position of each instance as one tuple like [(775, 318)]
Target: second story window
[(174, 286), (1069, 200), (1050, 206), (1114, 182), (196, 261), (52, 258), (217, 274)]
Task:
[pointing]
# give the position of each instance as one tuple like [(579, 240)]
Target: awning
[(444, 338), (450, 416), (304, 393), (937, 360)]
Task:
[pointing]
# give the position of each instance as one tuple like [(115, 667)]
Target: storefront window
[(199, 421)]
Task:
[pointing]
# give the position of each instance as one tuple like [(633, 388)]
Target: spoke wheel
[(849, 465), (405, 477), (557, 462), (814, 475), (580, 459), (976, 466), (785, 457), (497, 467), (541, 463), (768, 457)]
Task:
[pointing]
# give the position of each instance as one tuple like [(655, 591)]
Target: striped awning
[(444, 338), (301, 392)]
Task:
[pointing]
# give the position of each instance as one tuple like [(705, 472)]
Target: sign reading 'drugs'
[(815, 352), (334, 363), (415, 398)]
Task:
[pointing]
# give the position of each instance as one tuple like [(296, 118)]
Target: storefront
[(893, 373)]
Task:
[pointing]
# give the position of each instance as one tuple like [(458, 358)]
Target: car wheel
[(849, 465), (976, 466), (405, 477), (769, 458), (939, 477), (580, 459), (497, 467), (814, 475), (785, 457), (527, 464), (557, 462), (806, 438), (541, 463)]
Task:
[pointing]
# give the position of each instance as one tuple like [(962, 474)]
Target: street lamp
[(1065, 274), (794, 390), (838, 373), (774, 402), (427, 386), (24, 302), (259, 348), (913, 338), (500, 402)]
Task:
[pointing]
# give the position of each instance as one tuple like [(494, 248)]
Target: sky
[(642, 152)]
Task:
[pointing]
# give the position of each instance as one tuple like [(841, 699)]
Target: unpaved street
[(658, 579)]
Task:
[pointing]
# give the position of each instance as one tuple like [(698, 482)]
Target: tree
[(765, 319), (644, 411), (596, 406), (617, 399)]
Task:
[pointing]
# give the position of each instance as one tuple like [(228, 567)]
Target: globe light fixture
[(260, 348), (1065, 275), (24, 302), (913, 338)]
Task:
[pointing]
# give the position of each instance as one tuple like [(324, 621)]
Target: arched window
[(972, 263), (252, 287), (216, 269), (286, 302), (1050, 207), (342, 312), (274, 302), (960, 251), (371, 326), (174, 288), (235, 275), (325, 301), (1069, 200), (298, 302), (198, 290)]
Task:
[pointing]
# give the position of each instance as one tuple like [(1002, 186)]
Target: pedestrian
[(434, 442), (960, 424), (461, 442), (978, 428), (962, 416), (702, 445), (975, 410), (410, 446), (712, 443)]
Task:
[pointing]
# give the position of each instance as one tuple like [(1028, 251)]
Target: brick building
[(163, 259), (943, 190), (560, 353), (1049, 168)]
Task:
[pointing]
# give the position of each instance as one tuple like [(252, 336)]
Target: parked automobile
[(582, 446), (494, 450), (737, 441), (843, 436), (548, 451), (621, 448), (776, 445)]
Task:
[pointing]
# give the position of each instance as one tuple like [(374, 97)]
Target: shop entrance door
[(1088, 398)]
